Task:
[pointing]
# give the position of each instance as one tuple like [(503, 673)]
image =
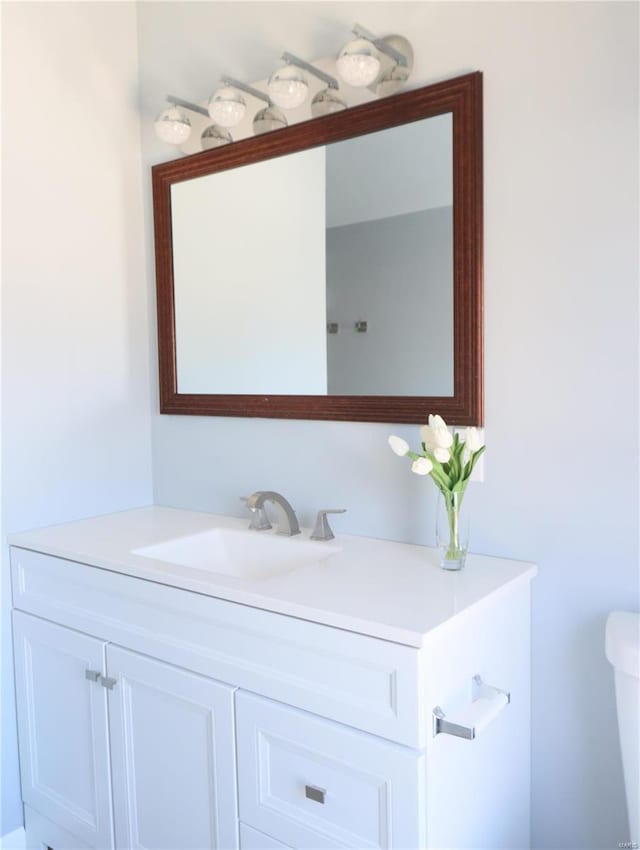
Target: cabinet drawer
[(311, 783), (251, 839)]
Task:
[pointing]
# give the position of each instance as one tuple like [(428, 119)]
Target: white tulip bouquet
[(449, 460)]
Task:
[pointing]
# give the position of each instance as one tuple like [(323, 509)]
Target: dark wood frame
[(462, 96)]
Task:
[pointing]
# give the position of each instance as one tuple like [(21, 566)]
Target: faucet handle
[(259, 518), (322, 529)]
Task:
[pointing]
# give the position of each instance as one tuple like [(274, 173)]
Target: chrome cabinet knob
[(311, 792)]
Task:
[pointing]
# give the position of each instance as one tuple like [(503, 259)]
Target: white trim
[(15, 840)]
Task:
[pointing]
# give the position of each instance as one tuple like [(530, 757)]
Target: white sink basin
[(243, 554)]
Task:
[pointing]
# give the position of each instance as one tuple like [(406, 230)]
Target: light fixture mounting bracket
[(236, 84), (290, 59), (186, 104), (381, 44)]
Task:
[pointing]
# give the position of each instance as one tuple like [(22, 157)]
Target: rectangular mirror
[(330, 270)]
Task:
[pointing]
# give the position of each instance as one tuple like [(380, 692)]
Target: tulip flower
[(436, 435), (472, 440), (422, 466), (448, 459), (398, 445)]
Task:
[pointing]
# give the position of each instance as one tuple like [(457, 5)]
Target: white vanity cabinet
[(153, 716)]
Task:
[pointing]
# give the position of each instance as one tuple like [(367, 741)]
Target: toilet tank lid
[(623, 641)]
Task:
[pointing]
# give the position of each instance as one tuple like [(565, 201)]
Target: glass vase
[(452, 530)]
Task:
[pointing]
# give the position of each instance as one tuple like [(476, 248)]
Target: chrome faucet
[(290, 525), (322, 530)]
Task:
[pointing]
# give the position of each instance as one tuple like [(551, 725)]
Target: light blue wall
[(561, 220)]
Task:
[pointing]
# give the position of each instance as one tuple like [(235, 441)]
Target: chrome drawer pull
[(105, 681), (315, 794)]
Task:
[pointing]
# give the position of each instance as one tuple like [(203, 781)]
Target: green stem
[(453, 503), (454, 525)]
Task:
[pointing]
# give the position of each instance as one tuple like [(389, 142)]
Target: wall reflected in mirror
[(328, 271)]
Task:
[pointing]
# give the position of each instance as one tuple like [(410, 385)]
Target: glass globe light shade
[(288, 87), (358, 63), (267, 119), (326, 102), (227, 106), (214, 137), (393, 80), (172, 126)]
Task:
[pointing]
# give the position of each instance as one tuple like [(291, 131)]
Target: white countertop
[(393, 591)]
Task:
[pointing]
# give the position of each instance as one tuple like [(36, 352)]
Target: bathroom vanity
[(352, 695)]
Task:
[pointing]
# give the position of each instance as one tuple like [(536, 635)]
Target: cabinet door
[(173, 756), (62, 723)]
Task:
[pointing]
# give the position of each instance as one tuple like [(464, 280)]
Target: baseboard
[(15, 840)]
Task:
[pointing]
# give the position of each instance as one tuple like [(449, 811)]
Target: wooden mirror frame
[(461, 96)]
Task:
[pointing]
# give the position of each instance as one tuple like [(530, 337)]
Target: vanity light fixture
[(382, 64), (288, 86), (227, 106), (393, 74), (367, 59), (325, 101), (268, 119), (172, 125), (358, 63), (214, 136)]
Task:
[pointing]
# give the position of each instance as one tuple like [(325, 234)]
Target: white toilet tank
[(623, 651)]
